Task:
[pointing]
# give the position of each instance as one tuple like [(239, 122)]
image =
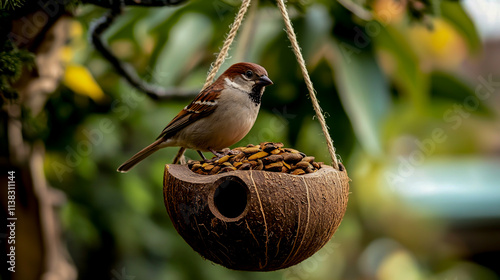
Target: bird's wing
[(203, 105)]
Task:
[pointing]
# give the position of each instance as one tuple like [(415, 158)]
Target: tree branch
[(125, 70), (144, 3)]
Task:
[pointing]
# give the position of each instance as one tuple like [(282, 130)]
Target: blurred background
[(410, 91)]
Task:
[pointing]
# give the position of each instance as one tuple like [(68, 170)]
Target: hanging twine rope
[(227, 43), (296, 49)]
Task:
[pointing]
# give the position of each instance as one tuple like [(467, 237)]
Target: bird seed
[(267, 156)]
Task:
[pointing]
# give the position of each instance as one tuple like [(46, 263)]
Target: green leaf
[(454, 13), (185, 44), (444, 85), (365, 96), (161, 32)]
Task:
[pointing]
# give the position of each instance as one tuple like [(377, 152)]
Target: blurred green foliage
[(387, 83)]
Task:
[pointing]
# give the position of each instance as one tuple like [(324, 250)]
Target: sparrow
[(221, 115)]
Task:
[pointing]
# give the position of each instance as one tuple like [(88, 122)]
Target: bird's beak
[(264, 81)]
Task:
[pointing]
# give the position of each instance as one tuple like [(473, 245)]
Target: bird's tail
[(144, 153)]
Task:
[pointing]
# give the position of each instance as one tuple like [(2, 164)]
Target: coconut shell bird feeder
[(258, 220)]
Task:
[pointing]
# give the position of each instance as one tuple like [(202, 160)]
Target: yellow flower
[(80, 80), (441, 47)]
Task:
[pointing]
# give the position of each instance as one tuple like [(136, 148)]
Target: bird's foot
[(217, 154), (224, 152), (201, 155), (233, 152)]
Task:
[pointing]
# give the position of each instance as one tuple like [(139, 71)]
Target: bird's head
[(248, 77)]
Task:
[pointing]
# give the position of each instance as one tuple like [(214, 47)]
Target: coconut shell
[(256, 220)]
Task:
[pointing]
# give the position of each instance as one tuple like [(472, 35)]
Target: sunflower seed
[(272, 158), (200, 171), (292, 157), (298, 172), (308, 159), (251, 150), (287, 165), (290, 150), (239, 157), (267, 156), (268, 146), (192, 162), (303, 164), (275, 166), (223, 159), (208, 167), (275, 151), (215, 170), (257, 155), (196, 166)]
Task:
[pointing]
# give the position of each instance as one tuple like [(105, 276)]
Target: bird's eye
[(249, 73)]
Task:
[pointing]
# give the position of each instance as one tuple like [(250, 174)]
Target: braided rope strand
[(227, 42), (296, 49)]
